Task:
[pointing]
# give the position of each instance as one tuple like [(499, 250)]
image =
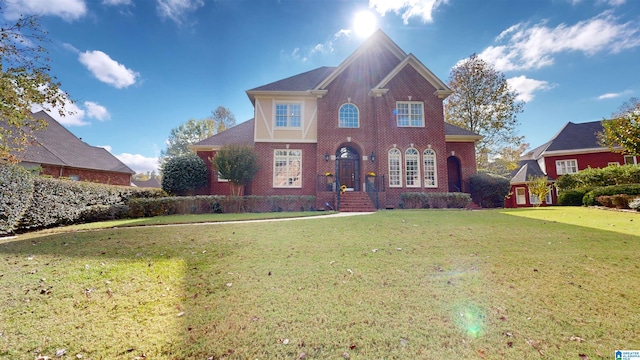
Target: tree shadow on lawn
[(168, 292)]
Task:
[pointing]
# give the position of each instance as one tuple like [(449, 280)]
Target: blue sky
[(138, 68)]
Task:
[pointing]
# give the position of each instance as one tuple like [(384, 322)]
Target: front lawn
[(556, 283)]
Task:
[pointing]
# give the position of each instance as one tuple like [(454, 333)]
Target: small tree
[(538, 186), (238, 164), (623, 130), (182, 175)]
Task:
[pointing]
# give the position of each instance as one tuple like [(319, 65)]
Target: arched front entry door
[(348, 167), (453, 172)]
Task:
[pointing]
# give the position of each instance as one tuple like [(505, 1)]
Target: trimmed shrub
[(489, 190), (590, 177), (63, 202), (572, 197), (416, 200), (16, 192), (590, 197), (182, 175)]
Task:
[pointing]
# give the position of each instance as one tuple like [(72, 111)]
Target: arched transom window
[(429, 159), (395, 168), (349, 117)]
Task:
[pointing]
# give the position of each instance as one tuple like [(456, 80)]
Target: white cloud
[(320, 48), (532, 47), (422, 9), (176, 9), (66, 9), (139, 163), (526, 87), (97, 111), (614, 95), (108, 70)]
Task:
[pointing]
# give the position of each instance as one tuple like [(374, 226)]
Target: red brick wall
[(466, 153), (104, 177), (594, 160)]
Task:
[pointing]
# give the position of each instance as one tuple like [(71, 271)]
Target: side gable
[(241, 134)]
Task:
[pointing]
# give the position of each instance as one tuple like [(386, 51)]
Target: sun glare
[(364, 24)]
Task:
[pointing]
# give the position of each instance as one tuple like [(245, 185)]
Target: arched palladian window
[(430, 175), (412, 167), (348, 116), (395, 168)]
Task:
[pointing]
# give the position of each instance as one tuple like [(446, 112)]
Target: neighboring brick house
[(576, 147), (380, 111), (59, 153)]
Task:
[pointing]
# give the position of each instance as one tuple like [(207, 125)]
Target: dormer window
[(348, 116)]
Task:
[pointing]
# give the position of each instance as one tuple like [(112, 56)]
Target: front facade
[(56, 152), (375, 122), (576, 147)]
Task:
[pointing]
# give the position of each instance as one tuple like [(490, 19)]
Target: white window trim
[(564, 162), (285, 102), (220, 178), (417, 181), (635, 160), (357, 113), (399, 184), (524, 196), (275, 172), (435, 168), (410, 103), (549, 198)]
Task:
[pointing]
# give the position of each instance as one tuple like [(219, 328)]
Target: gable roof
[(571, 138), (526, 169), (315, 82), (55, 145), (241, 134)]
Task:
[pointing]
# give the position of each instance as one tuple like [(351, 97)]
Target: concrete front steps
[(356, 201)]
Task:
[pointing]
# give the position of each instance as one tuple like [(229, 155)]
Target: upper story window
[(566, 166), (410, 114), (288, 115), (287, 168), (348, 116), (412, 167), (630, 160), (395, 168), (429, 159)]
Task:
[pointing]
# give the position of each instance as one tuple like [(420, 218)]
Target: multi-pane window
[(520, 196), (412, 167), (566, 167), (348, 115), (287, 168), (288, 115), (429, 159), (395, 170), (410, 114)]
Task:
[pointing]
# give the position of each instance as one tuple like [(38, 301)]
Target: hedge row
[(218, 204), (489, 190), (590, 178), (16, 191), (33, 202), (590, 197), (415, 200)]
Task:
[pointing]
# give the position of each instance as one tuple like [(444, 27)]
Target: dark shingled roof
[(151, 183), (450, 129), (526, 169), (56, 145), (301, 82), (577, 136), (241, 134)]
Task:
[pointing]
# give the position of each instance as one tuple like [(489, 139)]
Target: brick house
[(379, 112), (59, 153), (576, 147)]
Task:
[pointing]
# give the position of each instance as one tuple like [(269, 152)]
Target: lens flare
[(470, 319)]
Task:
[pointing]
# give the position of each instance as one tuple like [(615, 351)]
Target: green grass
[(431, 284)]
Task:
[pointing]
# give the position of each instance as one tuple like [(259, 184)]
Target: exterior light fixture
[(326, 156), (372, 157)]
